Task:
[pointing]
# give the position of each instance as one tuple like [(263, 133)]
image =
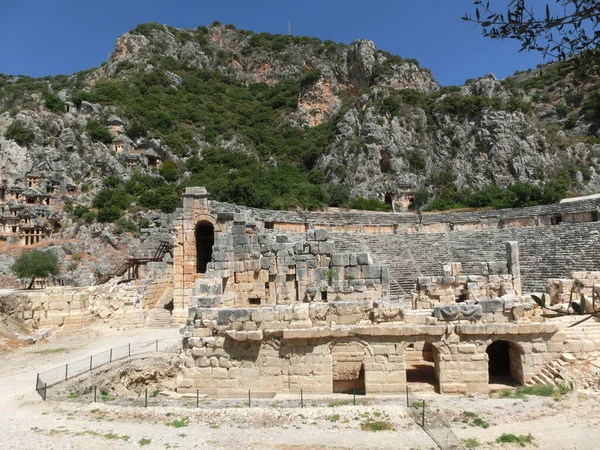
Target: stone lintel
[(374, 330)]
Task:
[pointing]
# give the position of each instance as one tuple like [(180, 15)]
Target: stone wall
[(453, 286), (285, 348), (120, 305), (584, 285), (376, 222), (268, 268), (250, 264), (52, 307)]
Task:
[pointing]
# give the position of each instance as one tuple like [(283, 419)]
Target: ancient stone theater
[(280, 301)]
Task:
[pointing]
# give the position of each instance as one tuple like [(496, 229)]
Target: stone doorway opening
[(348, 368), (205, 238), (504, 363), (420, 366)]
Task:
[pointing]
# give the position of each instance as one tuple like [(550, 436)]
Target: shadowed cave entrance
[(504, 363), (205, 238)]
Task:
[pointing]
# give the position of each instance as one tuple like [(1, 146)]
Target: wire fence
[(68, 371), (433, 424)]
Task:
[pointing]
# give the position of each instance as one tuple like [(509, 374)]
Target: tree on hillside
[(18, 132), (36, 264), (558, 32)]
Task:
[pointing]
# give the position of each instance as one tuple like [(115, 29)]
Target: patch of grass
[(377, 425), (542, 390), (105, 396), (155, 393), (73, 395), (472, 419), (340, 403), (113, 437), (214, 425), (522, 439), (479, 422), (334, 418), (178, 423), (144, 441), (471, 443), (505, 393)]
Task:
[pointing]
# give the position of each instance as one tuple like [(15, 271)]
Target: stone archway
[(505, 365), (205, 239)]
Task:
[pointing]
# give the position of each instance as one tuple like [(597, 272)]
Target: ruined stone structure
[(327, 302)]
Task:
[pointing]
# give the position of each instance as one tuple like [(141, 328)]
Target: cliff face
[(392, 127)]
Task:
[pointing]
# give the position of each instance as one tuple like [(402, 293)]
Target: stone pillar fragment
[(514, 265)]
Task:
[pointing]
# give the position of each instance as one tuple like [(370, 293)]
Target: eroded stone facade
[(284, 307)]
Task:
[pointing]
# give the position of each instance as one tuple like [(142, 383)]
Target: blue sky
[(49, 37)]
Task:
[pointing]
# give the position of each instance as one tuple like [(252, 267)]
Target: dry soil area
[(26, 422)]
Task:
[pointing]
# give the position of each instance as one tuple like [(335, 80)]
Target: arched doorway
[(504, 363), (205, 238), (348, 368)]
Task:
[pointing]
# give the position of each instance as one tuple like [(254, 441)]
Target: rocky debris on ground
[(35, 337), (154, 372)]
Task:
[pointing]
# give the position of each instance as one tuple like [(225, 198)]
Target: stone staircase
[(410, 255), (588, 330), (160, 316), (554, 373)]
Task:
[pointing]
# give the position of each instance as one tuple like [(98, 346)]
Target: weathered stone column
[(514, 265)]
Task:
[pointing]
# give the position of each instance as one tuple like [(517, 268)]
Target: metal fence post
[(91, 362), (248, 398), (45, 389), (110, 360), (354, 396), (146, 399), (37, 383), (157, 345), (95, 387), (66, 372), (197, 397), (129, 346)]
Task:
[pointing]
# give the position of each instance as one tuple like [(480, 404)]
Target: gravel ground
[(325, 423)]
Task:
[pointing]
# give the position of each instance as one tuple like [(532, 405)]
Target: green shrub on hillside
[(416, 161), (18, 132), (109, 214), (53, 103), (97, 132)]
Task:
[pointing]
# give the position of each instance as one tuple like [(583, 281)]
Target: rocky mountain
[(283, 121)]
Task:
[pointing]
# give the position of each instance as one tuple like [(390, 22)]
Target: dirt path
[(28, 422)]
